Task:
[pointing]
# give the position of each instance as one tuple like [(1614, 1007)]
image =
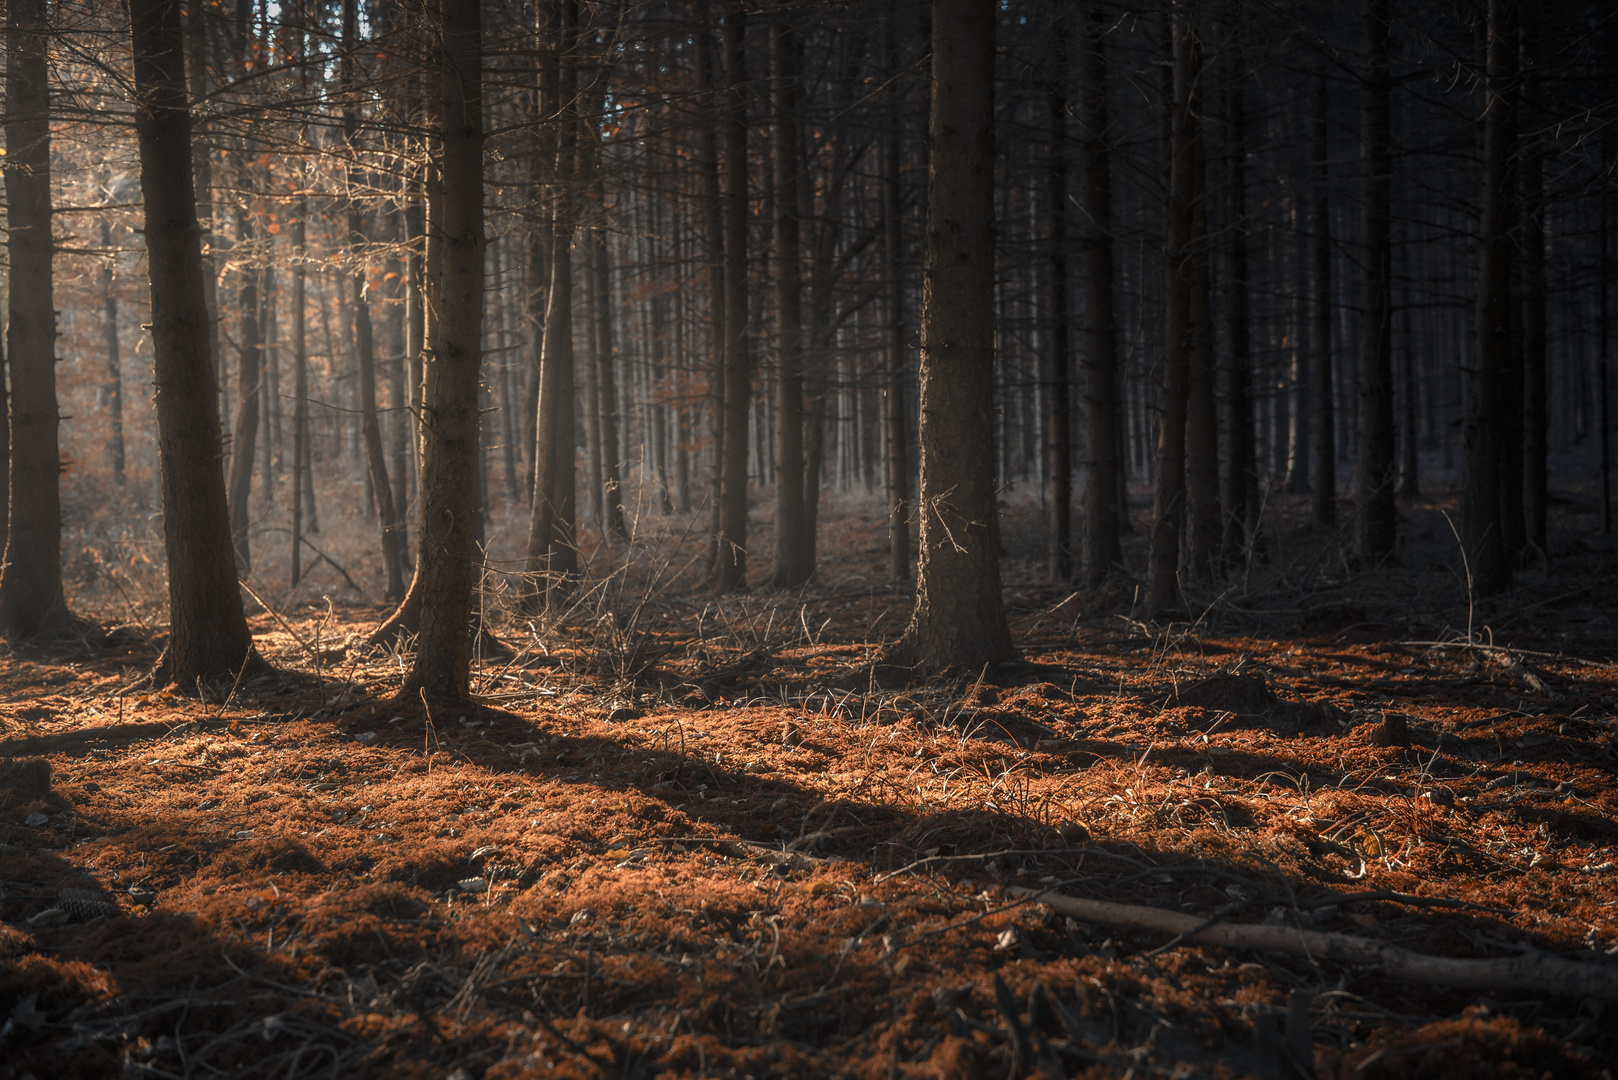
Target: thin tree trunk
[(31, 598), (959, 620), (115, 379), (793, 564), (208, 636), (244, 438), (301, 472), (1104, 489), (731, 562), (611, 492), (1168, 505), (1325, 382), (1483, 509), (1203, 524), (1374, 512), (1241, 465), (898, 455), (196, 33), (1059, 435), (1535, 424)]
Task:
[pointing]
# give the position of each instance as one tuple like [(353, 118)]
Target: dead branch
[(1534, 971)]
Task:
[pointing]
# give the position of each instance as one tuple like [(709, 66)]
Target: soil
[(679, 835)]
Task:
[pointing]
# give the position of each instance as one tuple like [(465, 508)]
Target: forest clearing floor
[(685, 836)]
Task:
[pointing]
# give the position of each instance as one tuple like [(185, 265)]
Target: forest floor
[(686, 836)]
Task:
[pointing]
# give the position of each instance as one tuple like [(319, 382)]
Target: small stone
[(367, 738), (36, 820), (473, 885), (1394, 730)]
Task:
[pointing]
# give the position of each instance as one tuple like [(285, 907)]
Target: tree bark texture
[(1483, 510), (1325, 420), (1103, 508), (446, 569), (1058, 425), (208, 638), (959, 620), (249, 372), (1374, 511), (1168, 504), (730, 562), (897, 477), (793, 561), (31, 599)]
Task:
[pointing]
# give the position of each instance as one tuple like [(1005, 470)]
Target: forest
[(808, 538)]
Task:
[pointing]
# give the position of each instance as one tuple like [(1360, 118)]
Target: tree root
[(1536, 971)]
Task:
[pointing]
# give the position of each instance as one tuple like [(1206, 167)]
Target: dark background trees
[(1240, 255)]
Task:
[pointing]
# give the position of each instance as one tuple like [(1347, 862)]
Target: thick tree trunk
[(730, 564), (208, 636), (31, 599), (1325, 420), (959, 620), (244, 439), (1104, 488), (1483, 509), (1168, 504), (115, 375), (898, 440), (793, 562), (1058, 424), (446, 570), (1374, 511)]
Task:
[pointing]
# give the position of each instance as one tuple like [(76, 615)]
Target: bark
[(1203, 524), (1535, 421), (1168, 504), (898, 441), (611, 493), (196, 35), (793, 562), (549, 531), (730, 563), (1374, 512), (959, 620), (389, 517), (712, 204), (1241, 495), (1534, 972), (446, 566), (31, 598), (1103, 502), (244, 439), (1059, 435), (301, 472), (1482, 508), (115, 379), (1325, 421), (208, 637)]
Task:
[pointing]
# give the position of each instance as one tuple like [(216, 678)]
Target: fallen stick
[(1536, 971)]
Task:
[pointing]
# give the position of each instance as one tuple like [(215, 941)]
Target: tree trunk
[(959, 620), (611, 492), (1203, 524), (1241, 465), (730, 564), (1325, 384), (1374, 512), (446, 566), (1535, 424), (793, 563), (1168, 504), (301, 472), (898, 440), (1103, 504), (1483, 510), (208, 636), (196, 33), (115, 378), (31, 599), (248, 377), (1059, 434)]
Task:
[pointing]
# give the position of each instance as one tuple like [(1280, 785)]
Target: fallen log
[(1534, 971)]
